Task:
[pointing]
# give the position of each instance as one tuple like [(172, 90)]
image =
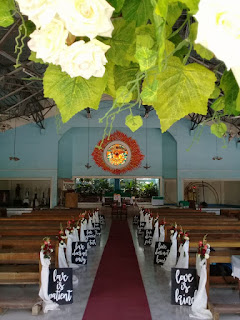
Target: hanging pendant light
[(14, 158), (146, 165), (88, 165)]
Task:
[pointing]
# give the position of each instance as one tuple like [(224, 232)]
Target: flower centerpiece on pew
[(61, 235), (45, 259), (199, 306)]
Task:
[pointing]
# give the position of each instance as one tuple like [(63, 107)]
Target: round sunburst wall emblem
[(118, 154)]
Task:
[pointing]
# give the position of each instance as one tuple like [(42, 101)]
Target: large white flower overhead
[(56, 19), (219, 31)]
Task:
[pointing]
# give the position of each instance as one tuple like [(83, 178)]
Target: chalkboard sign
[(79, 252), (97, 227), (141, 226), (184, 285), (161, 252), (148, 235), (136, 220), (102, 219), (60, 288), (91, 237)]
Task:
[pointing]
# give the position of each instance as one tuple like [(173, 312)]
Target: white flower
[(186, 238), (84, 59), (219, 30), (206, 256), (41, 12), (49, 41), (87, 17)]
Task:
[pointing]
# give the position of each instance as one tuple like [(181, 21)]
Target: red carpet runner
[(118, 292)]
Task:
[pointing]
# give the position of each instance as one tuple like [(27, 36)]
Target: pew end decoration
[(141, 53), (183, 260), (199, 306), (45, 262)]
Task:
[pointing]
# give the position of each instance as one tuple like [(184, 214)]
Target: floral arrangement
[(173, 228), (203, 248), (162, 222), (61, 235), (47, 248), (183, 236), (70, 226), (139, 52)]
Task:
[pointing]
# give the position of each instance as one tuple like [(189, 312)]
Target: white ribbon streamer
[(155, 234), (47, 303), (62, 262), (172, 257), (199, 306), (90, 225), (183, 260), (141, 216), (162, 233)]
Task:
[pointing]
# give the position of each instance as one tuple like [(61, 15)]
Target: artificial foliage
[(149, 52)]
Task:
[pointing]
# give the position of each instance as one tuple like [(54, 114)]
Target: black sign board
[(91, 237), (148, 235), (102, 219), (136, 220), (60, 288), (184, 285), (97, 227), (79, 252), (161, 252), (141, 226)]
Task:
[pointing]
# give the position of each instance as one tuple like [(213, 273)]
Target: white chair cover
[(149, 223), (47, 303), (155, 234), (172, 257), (183, 260), (97, 216), (146, 219), (162, 233), (83, 238), (70, 239), (199, 306)]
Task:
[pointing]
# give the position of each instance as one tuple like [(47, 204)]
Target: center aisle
[(118, 292)]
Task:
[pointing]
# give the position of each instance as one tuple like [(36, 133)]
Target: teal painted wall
[(62, 153)]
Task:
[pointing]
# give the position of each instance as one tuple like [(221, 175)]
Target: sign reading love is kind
[(184, 285), (60, 287)]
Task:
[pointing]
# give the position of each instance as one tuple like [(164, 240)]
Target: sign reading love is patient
[(184, 285), (60, 288)]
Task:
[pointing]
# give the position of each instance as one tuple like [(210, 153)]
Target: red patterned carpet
[(118, 292)]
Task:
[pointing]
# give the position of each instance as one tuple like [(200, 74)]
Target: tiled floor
[(156, 282)]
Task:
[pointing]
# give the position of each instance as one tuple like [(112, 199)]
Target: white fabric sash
[(47, 303), (162, 233), (199, 306), (155, 234), (183, 260), (141, 216), (172, 257)]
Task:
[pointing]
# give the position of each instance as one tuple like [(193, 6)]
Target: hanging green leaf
[(161, 8), (191, 4), (203, 52), (33, 57), (123, 75), (123, 95), (117, 4), (238, 102), (230, 88), (149, 93), (182, 89), (133, 122), (174, 12), (215, 94), (6, 9), (219, 129), (110, 87), (144, 40), (218, 104), (137, 10), (72, 95), (146, 58), (123, 43)]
